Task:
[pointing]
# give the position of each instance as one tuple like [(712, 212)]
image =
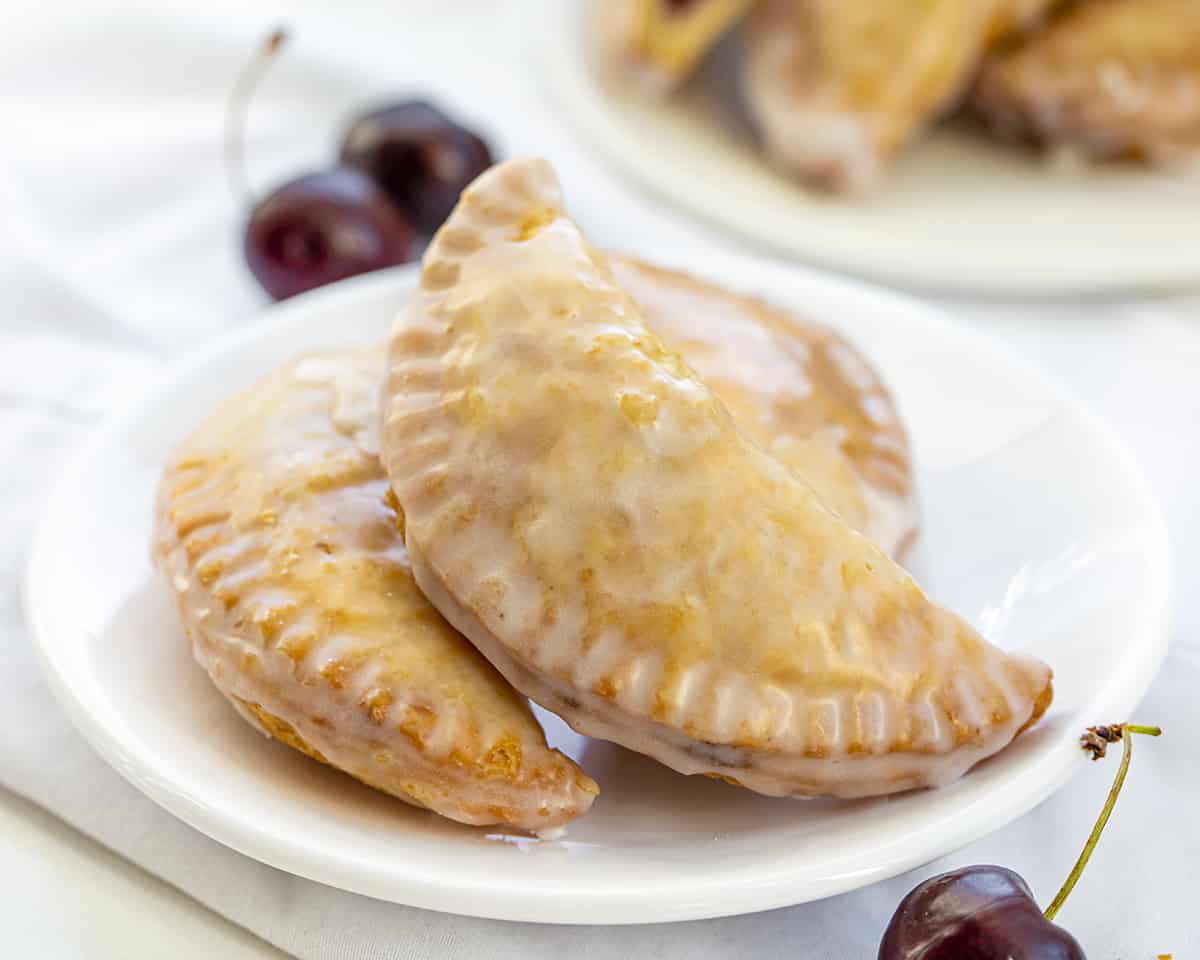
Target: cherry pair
[(400, 171)]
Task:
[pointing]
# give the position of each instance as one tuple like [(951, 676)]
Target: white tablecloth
[(119, 252)]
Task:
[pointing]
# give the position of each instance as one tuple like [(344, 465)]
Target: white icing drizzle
[(343, 697), (765, 771), (806, 396), (703, 552)]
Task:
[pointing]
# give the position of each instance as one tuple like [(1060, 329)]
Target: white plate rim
[(472, 896), (563, 72)]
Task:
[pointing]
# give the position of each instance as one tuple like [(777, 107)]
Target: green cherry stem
[(235, 118), (1095, 740)]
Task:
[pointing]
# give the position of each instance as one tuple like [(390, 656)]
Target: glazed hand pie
[(839, 87), (659, 42), (583, 508), (278, 536), (797, 389), (295, 455), (1114, 78)]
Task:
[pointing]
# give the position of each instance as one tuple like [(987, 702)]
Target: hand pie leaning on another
[(656, 44), (1113, 78), (300, 437), (584, 509), (800, 391), (277, 534)]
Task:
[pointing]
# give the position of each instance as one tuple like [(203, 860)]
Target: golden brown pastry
[(583, 508), (839, 87), (277, 534), (800, 391), (1016, 18), (657, 43), (1113, 78)]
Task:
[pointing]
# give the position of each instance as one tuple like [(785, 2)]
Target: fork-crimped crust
[(795, 387), (278, 537), (583, 507), (1109, 78)]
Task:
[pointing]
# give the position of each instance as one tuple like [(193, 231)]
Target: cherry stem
[(1101, 736), (235, 118)]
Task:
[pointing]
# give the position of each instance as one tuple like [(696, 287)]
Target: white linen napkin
[(119, 251)]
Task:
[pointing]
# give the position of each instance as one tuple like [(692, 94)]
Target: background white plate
[(959, 213), (1037, 526)]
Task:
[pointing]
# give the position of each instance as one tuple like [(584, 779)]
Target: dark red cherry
[(420, 157), (323, 227), (988, 913), (976, 913)]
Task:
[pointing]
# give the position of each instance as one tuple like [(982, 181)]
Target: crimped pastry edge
[(770, 773)]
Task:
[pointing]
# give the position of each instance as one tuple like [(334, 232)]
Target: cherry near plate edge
[(471, 895), (1088, 256)]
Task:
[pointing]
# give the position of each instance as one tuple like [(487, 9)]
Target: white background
[(119, 252)]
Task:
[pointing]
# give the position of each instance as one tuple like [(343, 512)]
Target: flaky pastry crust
[(278, 536), (585, 510)]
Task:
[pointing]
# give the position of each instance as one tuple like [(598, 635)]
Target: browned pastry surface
[(1112, 78), (802, 392), (584, 508), (278, 537)]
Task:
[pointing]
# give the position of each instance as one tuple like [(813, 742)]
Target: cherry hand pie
[(803, 393), (583, 507), (839, 87), (278, 534), (301, 438)]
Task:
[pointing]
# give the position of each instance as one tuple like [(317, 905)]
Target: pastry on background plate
[(799, 390), (839, 87), (278, 536), (658, 43), (584, 509), (1111, 78)]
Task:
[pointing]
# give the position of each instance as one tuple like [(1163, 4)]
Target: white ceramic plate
[(1037, 526), (960, 213)]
